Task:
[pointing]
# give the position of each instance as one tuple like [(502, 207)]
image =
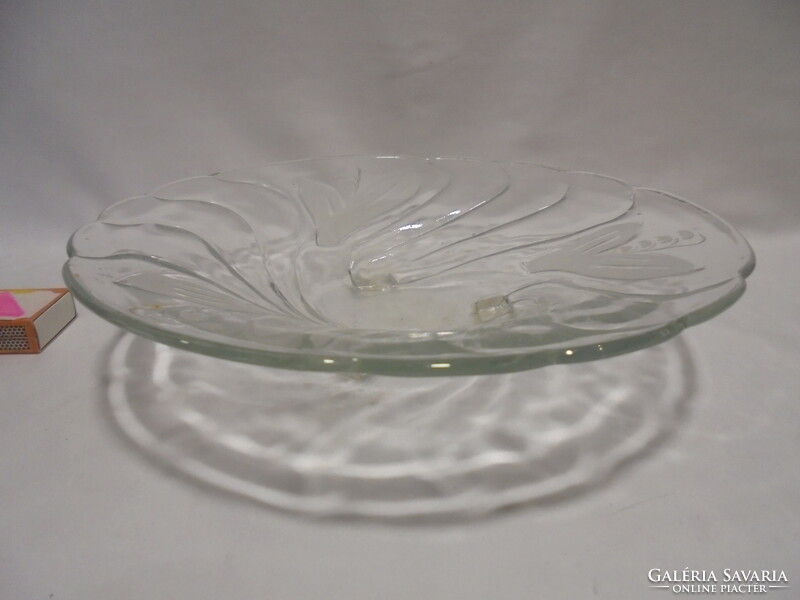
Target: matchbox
[(30, 319)]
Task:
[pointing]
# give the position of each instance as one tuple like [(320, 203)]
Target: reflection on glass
[(384, 447)]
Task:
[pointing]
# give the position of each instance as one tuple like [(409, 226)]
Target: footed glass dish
[(407, 266)]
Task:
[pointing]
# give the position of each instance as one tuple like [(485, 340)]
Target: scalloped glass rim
[(408, 361)]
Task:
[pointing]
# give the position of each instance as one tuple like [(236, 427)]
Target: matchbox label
[(9, 307), (24, 304)]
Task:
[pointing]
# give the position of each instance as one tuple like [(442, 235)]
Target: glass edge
[(437, 366)]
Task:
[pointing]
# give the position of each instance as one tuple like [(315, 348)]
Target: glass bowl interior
[(407, 265)]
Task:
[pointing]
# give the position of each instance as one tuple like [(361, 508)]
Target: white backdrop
[(105, 99)]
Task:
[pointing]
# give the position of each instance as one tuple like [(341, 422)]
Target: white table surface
[(103, 100)]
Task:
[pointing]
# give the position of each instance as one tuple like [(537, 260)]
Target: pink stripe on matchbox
[(9, 307)]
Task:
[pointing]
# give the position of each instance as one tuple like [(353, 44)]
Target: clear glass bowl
[(406, 265)]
